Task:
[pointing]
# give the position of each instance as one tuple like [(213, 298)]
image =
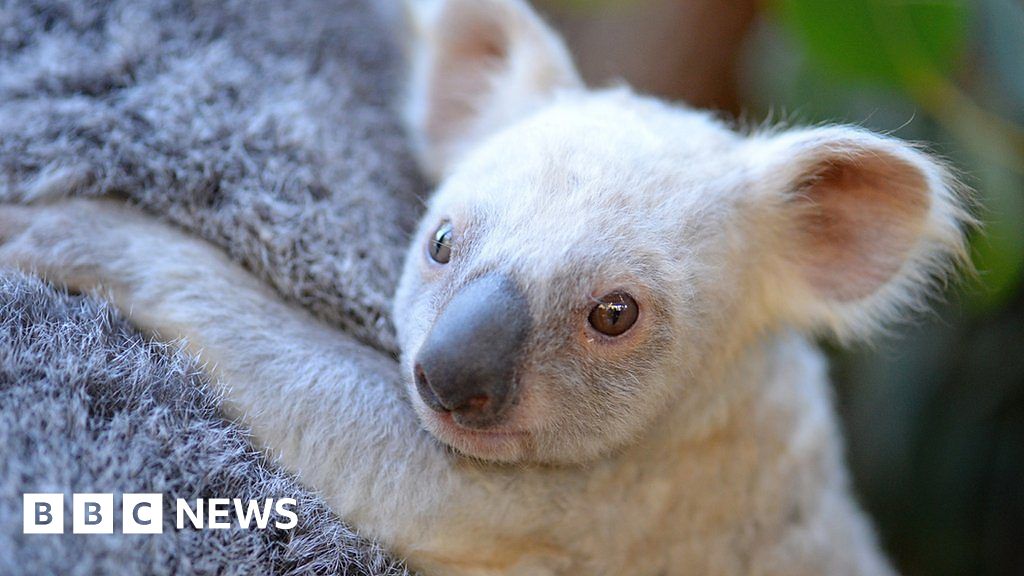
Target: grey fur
[(87, 405), (265, 127)]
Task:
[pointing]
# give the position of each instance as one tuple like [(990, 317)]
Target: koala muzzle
[(468, 363)]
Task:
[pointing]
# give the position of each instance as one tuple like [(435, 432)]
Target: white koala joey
[(606, 322)]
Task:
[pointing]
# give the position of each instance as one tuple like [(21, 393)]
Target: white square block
[(92, 514), (142, 513), (42, 513)]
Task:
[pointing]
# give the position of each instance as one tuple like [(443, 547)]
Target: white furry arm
[(331, 408)]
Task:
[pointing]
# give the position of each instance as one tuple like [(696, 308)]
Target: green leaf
[(880, 41), (998, 250)]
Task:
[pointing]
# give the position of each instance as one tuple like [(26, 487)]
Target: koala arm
[(330, 408)]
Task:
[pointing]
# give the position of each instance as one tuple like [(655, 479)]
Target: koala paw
[(25, 233), (55, 241)]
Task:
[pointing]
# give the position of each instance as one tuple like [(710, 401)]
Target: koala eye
[(441, 243), (614, 314)]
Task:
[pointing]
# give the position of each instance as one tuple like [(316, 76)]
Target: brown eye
[(614, 314), (441, 243)]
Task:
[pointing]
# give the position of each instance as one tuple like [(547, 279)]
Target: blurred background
[(934, 417)]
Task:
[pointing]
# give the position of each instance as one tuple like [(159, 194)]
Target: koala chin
[(606, 321), (595, 264)]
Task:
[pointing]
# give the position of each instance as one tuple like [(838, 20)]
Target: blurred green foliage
[(868, 39)]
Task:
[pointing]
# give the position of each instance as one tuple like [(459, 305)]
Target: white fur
[(703, 441)]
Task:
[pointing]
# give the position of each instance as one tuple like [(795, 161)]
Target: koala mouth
[(450, 423), (494, 444)]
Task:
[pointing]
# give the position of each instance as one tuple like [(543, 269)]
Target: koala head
[(592, 258)]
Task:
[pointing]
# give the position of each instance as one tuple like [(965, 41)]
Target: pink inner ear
[(474, 46), (863, 215)]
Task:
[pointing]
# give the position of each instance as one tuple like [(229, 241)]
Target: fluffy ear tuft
[(862, 226), (478, 65)]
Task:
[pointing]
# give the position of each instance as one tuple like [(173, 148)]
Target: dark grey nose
[(468, 362)]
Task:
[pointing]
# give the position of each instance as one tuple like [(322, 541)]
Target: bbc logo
[(92, 513), (144, 513)]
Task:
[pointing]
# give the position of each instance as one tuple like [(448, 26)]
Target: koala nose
[(467, 364)]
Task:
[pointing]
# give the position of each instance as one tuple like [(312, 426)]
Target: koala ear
[(860, 225), (478, 65)]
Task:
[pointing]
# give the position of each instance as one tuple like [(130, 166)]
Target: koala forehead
[(603, 142), (604, 185)]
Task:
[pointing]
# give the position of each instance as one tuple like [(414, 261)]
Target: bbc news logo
[(93, 513)]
